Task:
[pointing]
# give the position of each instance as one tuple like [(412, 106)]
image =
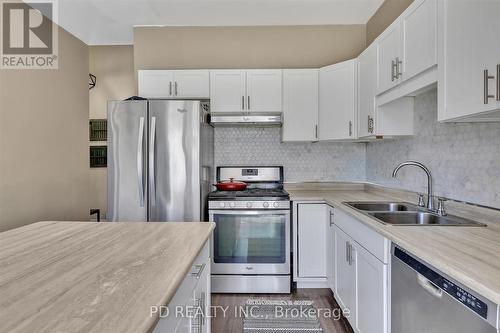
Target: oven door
[(251, 242)]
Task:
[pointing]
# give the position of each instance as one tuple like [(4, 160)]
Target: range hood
[(258, 119)]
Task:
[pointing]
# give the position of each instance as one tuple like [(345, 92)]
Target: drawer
[(365, 236)]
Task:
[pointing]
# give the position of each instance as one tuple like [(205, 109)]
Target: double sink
[(407, 214)]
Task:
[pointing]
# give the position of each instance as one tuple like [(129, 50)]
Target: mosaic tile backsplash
[(301, 161), (464, 158)]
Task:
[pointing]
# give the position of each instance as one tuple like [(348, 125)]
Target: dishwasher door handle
[(430, 287)]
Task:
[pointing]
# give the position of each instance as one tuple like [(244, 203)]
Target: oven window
[(249, 238)]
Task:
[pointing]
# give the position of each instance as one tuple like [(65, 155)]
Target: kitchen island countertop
[(93, 277), (470, 255)]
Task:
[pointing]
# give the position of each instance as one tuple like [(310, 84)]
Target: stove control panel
[(253, 205)]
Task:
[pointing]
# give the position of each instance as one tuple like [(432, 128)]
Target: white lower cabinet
[(187, 310), (361, 277), (312, 246), (345, 274), (330, 250), (312, 234), (371, 292)]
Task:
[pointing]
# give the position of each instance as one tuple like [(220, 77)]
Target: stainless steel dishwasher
[(425, 300)]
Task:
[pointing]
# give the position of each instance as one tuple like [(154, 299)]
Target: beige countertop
[(470, 255), (93, 277)]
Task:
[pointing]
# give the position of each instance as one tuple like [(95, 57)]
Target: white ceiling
[(107, 22)]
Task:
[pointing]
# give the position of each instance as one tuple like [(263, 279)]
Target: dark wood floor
[(232, 323)]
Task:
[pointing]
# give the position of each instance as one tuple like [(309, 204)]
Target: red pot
[(231, 185)]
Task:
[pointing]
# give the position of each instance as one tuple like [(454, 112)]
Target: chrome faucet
[(430, 201)]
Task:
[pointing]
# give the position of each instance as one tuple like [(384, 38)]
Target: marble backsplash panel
[(464, 158), (301, 161)]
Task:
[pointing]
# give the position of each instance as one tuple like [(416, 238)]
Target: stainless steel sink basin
[(403, 213), (422, 218), (384, 206)]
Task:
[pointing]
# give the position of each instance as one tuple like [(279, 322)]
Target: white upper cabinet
[(227, 90), (264, 92), (419, 38), (338, 101), (173, 83), (389, 57), (406, 50), (367, 83), (300, 105), (155, 83), (191, 83), (469, 46), (246, 90)]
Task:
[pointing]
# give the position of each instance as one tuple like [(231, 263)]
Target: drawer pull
[(197, 270)]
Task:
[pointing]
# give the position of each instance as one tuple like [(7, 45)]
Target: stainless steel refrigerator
[(160, 159)]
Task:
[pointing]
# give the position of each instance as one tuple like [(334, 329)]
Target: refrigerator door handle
[(140, 173), (152, 185)]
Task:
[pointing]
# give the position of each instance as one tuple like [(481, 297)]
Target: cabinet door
[(300, 105), (191, 84), (367, 83), (264, 91), (337, 101), (468, 45), (227, 90), (419, 38), (345, 273), (330, 250), (388, 49), (371, 293), (312, 233), (155, 83)]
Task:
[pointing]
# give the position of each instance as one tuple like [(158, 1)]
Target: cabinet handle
[(351, 260), (248, 102), (197, 319), (170, 88), (243, 102), (316, 131), (331, 219), (486, 88), (393, 64), (498, 82), (370, 124), (197, 270), (398, 70), (350, 128), (175, 85), (347, 251)]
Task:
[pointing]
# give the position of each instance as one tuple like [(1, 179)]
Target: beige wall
[(246, 47), (383, 17), (114, 68), (44, 140)]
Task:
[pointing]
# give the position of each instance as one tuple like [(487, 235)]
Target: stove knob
[(265, 204), (249, 205), (232, 205), (222, 204), (276, 204)]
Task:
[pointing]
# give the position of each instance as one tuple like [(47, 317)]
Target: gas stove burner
[(264, 183), (256, 193)]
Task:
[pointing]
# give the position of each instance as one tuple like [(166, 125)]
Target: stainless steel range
[(251, 241)]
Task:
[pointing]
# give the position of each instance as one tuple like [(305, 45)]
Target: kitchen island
[(93, 277)]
